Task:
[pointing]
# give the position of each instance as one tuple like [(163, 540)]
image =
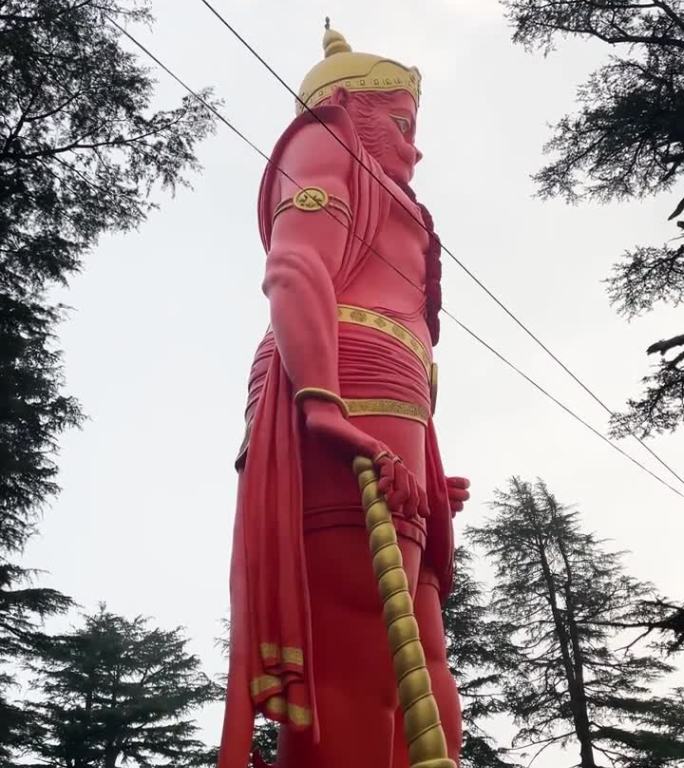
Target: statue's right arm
[(305, 254)]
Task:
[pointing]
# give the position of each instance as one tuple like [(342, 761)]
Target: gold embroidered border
[(264, 683), (366, 317), (387, 407), (278, 707), (287, 654)]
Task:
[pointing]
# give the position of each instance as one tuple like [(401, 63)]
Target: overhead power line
[(446, 250), (211, 108), (560, 404)]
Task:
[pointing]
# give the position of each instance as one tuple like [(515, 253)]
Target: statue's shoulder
[(318, 149), (324, 138)]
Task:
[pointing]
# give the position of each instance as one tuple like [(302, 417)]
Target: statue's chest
[(402, 242)]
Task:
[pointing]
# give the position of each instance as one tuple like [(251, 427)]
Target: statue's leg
[(429, 616), (356, 692)]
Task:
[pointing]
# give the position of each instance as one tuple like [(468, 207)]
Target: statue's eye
[(403, 124)]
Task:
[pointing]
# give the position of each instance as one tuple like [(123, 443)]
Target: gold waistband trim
[(366, 317), (387, 407)]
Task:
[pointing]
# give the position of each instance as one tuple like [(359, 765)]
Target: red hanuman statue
[(345, 370)]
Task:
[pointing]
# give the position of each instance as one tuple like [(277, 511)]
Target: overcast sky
[(165, 320)]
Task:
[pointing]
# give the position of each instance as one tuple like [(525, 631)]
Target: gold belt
[(370, 319), (385, 407)]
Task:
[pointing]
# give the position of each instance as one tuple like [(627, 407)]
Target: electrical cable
[(458, 261), (268, 159)]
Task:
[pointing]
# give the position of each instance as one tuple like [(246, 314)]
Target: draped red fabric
[(277, 586), (439, 551)]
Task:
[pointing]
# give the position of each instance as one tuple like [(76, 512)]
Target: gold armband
[(317, 393), (311, 200)]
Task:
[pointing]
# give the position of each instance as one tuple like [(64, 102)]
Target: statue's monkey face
[(386, 123)]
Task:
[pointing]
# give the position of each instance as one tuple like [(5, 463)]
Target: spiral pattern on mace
[(422, 726)]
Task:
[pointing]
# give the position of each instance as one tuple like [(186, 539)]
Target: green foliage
[(643, 278), (625, 141), (22, 606), (566, 597), (477, 646), (660, 407), (33, 414), (120, 691), (80, 151), (660, 619), (265, 741)]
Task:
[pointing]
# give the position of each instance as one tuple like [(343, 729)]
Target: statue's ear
[(340, 96)]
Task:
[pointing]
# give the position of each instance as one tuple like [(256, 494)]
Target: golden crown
[(355, 72)]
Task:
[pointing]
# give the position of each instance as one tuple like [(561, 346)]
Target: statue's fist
[(398, 484), (400, 487), (457, 488), (325, 419)]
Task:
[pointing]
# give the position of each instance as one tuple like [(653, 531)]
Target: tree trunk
[(665, 345), (581, 716), (111, 751), (578, 703)]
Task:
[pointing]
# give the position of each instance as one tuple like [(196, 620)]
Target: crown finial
[(334, 42), (362, 72)]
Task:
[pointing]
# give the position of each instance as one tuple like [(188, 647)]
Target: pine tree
[(624, 142), (478, 647), (80, 151), (645, 277), (265, 742), (573, 681), (22, 607), (33, 412), (118, 691)]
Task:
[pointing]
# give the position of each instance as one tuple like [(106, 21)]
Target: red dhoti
[(386, 384)]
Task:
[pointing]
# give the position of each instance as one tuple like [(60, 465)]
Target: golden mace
[(422, 726)]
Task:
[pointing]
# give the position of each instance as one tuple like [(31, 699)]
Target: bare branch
[(664, 346)]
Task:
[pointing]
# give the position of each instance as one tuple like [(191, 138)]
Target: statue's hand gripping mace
[(422, 726)]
